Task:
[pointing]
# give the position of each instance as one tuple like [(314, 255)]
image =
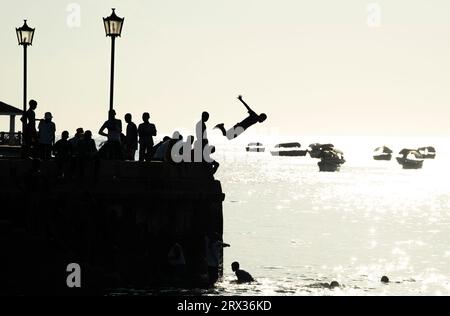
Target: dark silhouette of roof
[(6, 109)]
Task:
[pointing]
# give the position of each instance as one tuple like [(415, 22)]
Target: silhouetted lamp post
[(113, 28), (25, 36)]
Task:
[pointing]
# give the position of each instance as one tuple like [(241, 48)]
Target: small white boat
[(255, 147)]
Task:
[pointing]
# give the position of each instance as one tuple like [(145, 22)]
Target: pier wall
[(120, 221)]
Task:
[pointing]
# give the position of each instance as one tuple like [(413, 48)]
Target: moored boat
[(288, 149), (428, 152), (410, 159), (255, 147), (316, 149), (382, 153), (331, 160)]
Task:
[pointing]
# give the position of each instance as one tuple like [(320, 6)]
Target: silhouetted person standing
[(30, 133), (146, 131), (47, 131), (240, 127), (131, 138), (114, 127), (243, 276), (200, 129)]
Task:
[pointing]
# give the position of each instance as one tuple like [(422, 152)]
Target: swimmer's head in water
[(334, 284), (235, 266), (262, 117)]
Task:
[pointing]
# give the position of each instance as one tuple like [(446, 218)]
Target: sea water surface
[(293, 227)]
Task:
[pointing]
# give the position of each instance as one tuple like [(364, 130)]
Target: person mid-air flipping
[(240, 127)]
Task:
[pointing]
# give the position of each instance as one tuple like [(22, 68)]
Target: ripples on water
[(293, 228)]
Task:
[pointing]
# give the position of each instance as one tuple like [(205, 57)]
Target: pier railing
[(11, 139)]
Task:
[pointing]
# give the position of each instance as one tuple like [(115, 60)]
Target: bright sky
[(315, 67)]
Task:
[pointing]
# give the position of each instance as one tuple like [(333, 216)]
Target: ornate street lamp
[(25, 36), (113, 28)]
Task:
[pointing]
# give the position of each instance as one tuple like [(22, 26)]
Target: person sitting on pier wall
[(112, 148), (156, 147), (146, 131), (169, 155), (75, 139), (87, 147), (87, 152), (184, 152), (30, 133), (240, 127), (243, 276), (160, 149), (131, 138), (47, 131), (62, 150)]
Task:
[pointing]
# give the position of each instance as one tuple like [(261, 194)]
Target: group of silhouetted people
[(38, 142), (124, 146), (41, 143)]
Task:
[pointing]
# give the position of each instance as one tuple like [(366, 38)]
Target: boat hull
[(327, 166), (410, 164), (383, 157), (290, 153), (255, 149)]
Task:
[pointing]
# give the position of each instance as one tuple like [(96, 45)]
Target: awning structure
[(6, 109), (9, 137)]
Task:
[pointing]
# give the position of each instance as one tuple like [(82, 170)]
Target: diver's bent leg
[(235, 132), (222, 128)]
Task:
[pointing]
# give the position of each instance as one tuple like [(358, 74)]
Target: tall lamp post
[(113, 28), (25, 36)]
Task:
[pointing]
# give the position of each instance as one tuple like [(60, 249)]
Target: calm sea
[(293, 227)]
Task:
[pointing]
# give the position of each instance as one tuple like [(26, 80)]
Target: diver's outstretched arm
[(243, 102)]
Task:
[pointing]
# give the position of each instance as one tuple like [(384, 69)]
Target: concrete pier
[(118, 220)]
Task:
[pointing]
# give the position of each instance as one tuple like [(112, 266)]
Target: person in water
[(240, 127), (243, 276)]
